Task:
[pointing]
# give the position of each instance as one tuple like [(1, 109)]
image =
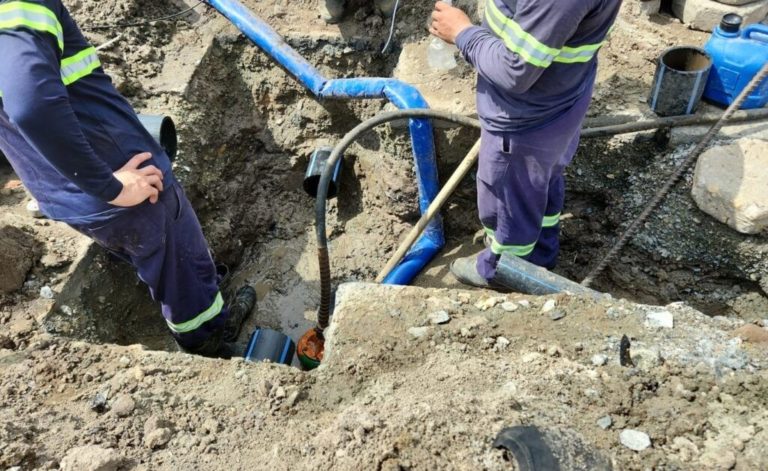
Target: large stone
[(704, 15), (731, 184), (91, 458)]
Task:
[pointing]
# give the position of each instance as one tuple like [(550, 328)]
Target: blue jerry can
[(737, 55)]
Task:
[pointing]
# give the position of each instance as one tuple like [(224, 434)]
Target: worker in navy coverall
[(80, 150), (536, 62)]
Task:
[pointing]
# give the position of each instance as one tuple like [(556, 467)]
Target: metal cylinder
[(315, 169), (163, 130), (525, 277), (681, 75)]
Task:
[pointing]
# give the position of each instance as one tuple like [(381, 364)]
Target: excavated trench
[(247, 130)]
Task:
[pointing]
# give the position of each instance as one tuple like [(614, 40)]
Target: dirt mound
[(17, 254)]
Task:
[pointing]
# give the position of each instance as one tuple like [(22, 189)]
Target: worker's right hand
[(138, 183)]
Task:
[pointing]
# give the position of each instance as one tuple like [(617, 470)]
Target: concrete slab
[(704, 15)]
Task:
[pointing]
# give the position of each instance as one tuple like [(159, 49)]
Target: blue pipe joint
[(402, 95)]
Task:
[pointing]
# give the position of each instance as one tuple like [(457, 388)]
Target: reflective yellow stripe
[(75, 67), (551, 221), (516, 250), (528, 47), (202, 318), (32, 16), (78, 66)]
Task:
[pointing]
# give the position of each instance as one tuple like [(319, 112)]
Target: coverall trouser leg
[(520, 189), (165, 244)]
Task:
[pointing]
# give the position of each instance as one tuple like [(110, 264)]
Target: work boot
[(215, 347), (385, 7), (465, 271), (332, 11), (240, 307)]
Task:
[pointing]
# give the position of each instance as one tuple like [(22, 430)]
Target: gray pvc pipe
[(163, 130), (525, 277)]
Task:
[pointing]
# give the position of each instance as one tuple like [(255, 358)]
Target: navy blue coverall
[(66, 130), (536, 62)]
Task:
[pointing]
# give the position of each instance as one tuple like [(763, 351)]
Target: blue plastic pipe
[(400, 94)]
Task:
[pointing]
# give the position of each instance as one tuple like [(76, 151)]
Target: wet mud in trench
[(247, 131)]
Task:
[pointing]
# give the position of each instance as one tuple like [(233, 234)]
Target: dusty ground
[(384, 399)]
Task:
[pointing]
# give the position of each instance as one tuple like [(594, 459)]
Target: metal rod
[(672, 181)]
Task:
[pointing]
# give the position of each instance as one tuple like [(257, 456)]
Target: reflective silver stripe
[(32, 16), (78, 66)]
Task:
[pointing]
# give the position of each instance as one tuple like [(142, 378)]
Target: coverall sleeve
[(36, 101), (527, 44)]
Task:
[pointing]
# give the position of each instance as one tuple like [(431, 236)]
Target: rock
[(731, 184), (751, 333), (123, 405), (605, 422), (525, 303), (501, 343), (155, 423), (718, 459), (704, 15), (16, 258), (99, 402), (634, 439), (292, 399), (509, 306), (33, 209), (91, 458), (659, 319), (556, 315), (487, 303), (418, 332), (646, 8), (157, 438), (646, 358), (549, 305), (599, 359), (46, 292), (439, 317)]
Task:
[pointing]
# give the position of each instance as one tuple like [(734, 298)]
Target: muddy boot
[(215, 347), (465, 271), (332, 11), (240, 307), (385, 7)]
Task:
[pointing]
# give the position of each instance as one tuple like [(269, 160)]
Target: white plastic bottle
[(440, 54)]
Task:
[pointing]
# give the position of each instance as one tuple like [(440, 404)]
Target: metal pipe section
[(525, 277), (400, 94)]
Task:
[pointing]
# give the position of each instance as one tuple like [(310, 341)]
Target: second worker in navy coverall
[(536, 62), (80, 150)]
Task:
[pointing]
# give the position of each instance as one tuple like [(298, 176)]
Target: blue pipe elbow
[(402, 95)]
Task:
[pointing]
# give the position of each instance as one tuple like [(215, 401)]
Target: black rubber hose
[(324, 312)]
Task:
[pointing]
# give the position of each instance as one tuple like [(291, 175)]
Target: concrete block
[(731, 184), (704, 15)]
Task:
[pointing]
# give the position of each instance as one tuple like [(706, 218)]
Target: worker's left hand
[(448, 22)]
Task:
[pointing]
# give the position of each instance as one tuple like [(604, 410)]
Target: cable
[(391, 28), (145, 22), (672, 181), (324, 311)]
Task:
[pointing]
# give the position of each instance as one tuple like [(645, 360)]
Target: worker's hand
[(448, 22), (138, 183)]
